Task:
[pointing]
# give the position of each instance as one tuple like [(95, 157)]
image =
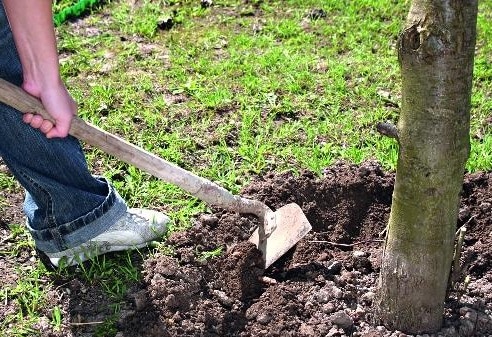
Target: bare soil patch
[(324, 286)]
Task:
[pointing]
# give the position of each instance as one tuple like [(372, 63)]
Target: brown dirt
[(324, 286)]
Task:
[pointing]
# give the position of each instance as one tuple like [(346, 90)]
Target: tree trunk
[(435, 50)]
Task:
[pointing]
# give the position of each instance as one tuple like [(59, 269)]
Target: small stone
[(368, 297), (171, 301), (264, 318), (308, 305), (485, 206), (381, 328), (169, 270), (328, 308), (209, 220), (322, 296), (323, 257), (306, 330), (359, 312), (342, 319), (371, 334), (268, 280), (223, 299), (359, 253), (469, 313), (346, 277), (43, 323), (337, 292), (333, 332)]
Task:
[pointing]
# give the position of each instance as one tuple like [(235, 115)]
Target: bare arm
[(34, 36)]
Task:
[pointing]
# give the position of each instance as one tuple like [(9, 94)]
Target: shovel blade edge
[(291, 226)]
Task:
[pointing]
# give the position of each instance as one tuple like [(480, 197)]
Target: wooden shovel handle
[(199, 187)]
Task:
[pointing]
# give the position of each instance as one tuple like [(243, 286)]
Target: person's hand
[(60, 105)]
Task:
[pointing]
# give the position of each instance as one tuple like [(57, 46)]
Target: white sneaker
[(136, 229)]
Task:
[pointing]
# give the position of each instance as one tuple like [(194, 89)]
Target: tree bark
[(436, 52)]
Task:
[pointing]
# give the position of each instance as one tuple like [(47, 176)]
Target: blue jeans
[(65, 205)]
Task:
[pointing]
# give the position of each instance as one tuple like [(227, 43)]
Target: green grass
[(29, 296), (230, 95), (207, 255)]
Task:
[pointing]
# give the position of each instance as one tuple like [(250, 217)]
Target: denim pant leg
[(65, 205)]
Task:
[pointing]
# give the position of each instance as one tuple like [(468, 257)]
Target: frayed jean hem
[(82, 229)]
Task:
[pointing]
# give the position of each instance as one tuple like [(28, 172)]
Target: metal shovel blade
[(291, 226)]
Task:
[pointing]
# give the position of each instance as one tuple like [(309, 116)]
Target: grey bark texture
[(436, 53)]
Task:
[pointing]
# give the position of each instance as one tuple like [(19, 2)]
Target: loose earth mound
[(324, 286)]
